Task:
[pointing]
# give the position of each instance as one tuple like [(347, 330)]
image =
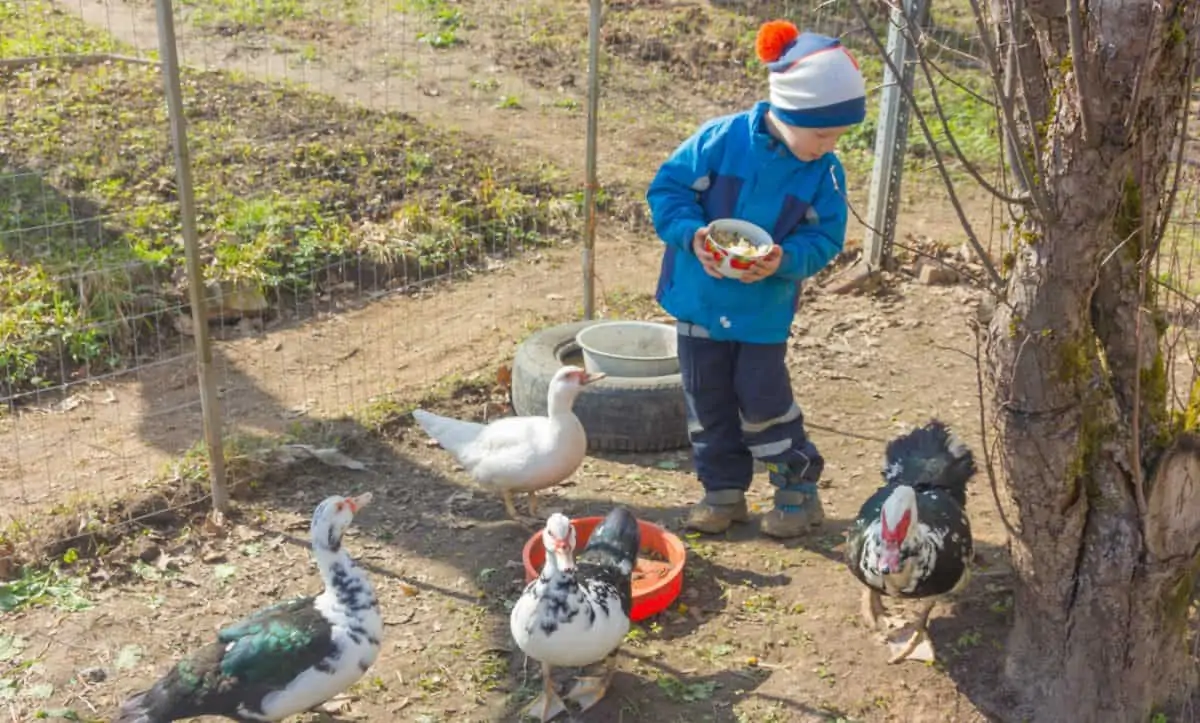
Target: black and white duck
[(912, 538), (576, 613), (283, 659)]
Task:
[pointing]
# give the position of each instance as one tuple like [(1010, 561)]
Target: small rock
[(859, 277), (934, 274), (93, 675), (146, 551)]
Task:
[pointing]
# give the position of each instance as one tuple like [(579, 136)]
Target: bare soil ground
[(766, 631), (345, 348)]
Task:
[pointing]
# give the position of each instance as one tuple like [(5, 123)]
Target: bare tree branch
[(988, 465), (1139, 478), (1149, 61), (910, 22), (972, 238), (952, 80), (1168, 207), (1004, 96), (1091, 135), (1017, 24), (943, 46)]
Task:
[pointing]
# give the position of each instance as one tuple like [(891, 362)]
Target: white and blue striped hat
[(815, 81)]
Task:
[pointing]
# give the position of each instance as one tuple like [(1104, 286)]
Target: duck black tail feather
[(930, 456), (171, 698), (140, 709), (615, 541)]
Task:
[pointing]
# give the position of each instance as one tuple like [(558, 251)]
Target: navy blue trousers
[(740, 408)]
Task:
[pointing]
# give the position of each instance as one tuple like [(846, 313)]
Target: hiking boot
[(798, 505), (794, 520), (717, 511)]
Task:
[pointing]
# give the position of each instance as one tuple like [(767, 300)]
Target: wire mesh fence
[(389, 194), (348, 159)]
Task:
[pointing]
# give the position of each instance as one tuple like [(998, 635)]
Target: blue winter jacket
[(733, 168)]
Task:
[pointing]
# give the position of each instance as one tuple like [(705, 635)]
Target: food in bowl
[(737, 244)]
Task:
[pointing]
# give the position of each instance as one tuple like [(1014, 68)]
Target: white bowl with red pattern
[(737, 245)]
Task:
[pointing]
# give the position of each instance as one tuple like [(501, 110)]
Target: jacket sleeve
[(812, 246), (673, 195)]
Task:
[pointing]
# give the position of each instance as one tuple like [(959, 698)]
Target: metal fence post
[(590, 184), (209, 403), (892, 134)]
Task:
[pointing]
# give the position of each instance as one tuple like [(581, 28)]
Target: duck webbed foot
[(588, 690), (913, 642), (547, 705)]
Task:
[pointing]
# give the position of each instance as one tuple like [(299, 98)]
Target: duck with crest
[(284, 659), (524, 453), (576, 613), (911, 538)]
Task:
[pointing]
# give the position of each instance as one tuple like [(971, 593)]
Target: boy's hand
[(712, 267), (765, 266)]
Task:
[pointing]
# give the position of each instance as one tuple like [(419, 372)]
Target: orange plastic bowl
[(656, 584)]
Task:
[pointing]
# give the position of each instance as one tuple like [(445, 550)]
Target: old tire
[(620, 414)]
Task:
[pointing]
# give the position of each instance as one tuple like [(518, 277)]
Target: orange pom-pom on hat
[(773, 39)]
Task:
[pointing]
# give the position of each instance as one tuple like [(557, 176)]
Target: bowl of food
[(657, 574), (737, 245)]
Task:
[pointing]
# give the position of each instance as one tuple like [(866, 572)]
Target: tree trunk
[(1102, 586)]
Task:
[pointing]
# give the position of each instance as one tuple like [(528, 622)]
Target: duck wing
[(230, 676)]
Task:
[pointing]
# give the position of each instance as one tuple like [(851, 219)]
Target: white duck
[(519, 454), (578, 615), (284, 659)]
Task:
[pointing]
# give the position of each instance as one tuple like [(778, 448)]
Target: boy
[(772, 165)]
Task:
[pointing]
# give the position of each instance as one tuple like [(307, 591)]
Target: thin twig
[(1017, 24), (1164, 216), (958, 83), (972, 238), (987, 455), (1139, 488), (979, 63), (1150, 251), (1189, 298), (1091, 136)]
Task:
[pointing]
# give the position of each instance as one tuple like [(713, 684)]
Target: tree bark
[(1102, 586)]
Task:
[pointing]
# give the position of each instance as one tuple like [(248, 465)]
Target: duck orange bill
[(359, 502), (593, 377)]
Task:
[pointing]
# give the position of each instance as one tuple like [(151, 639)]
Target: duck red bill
[(359, 502)]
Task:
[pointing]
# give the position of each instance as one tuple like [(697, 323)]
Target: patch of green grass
[(36, 28), (291, 187), (448, 21), (684, 692), (46, 586)]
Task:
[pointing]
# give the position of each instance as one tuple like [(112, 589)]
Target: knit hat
[(815, 81)]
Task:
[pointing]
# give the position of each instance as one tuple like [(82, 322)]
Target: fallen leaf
[(224, 571), (128, 656)]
